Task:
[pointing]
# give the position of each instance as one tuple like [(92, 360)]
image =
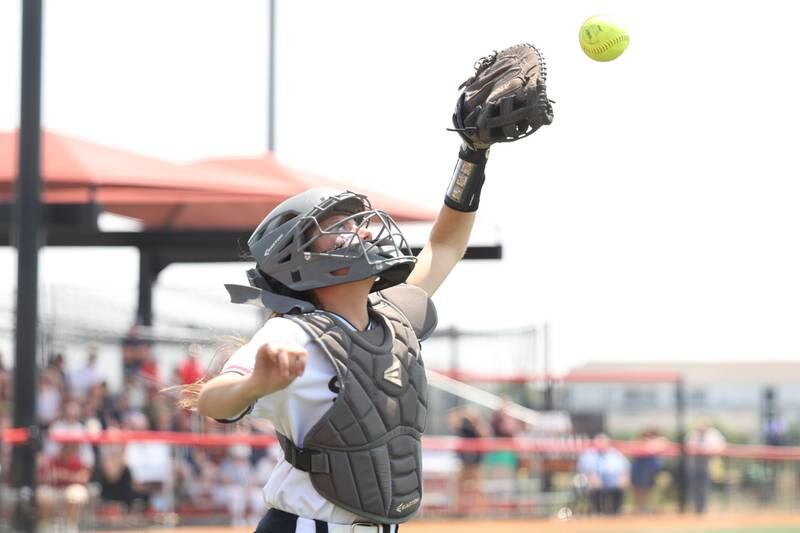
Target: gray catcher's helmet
[(282, 243)]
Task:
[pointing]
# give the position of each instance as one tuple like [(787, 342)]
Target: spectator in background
[(101, 404), (504, 426), (197, 475), (182, 420), (150, 464), (467, 423), (135, 392), (63, 489), (114, 476), (775, 429), (121, 407), (644, 468), (48, 397), (238, 488), (155, 407), (174, 378), (5, 386), (133, 350), (5, 457), (190, 370), (704, 443), (148, 368), (56, 365), (70, 424), (607, 474), (83, 379)]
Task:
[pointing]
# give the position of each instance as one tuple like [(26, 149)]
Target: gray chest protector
[(364, 453)]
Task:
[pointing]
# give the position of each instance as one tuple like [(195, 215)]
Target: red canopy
[(269, 169), (166, 195)]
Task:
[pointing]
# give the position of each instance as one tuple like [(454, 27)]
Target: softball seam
[(605, 46)]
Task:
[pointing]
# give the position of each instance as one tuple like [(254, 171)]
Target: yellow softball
[(601, 39)]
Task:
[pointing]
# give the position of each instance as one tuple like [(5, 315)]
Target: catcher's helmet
[(283, 243)]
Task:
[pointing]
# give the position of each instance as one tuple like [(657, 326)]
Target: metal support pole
[(680, 436), (148, 272), (547, 474), (549, 401), (528, 391), (28, 237), (271, 79), (455, 366)]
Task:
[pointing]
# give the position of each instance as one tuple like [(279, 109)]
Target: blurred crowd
[(138, 481), (602, 479), (134, 481)]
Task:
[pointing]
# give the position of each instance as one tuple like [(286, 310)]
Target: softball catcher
[(337, 366)]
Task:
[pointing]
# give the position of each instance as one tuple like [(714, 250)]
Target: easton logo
[(392, 374), (271, 246), (407, 505)]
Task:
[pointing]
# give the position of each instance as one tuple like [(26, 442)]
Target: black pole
[(455, 366), (680, 436), (769, 415), (271, 80), (549, 400), (27, 236), (147, 276), (530, 385)]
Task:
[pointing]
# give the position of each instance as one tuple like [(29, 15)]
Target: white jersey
[(294, 411)]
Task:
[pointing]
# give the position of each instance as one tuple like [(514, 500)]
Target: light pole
[(27, 236), (271, 80)]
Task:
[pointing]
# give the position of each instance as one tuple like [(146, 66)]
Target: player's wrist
[(479, 156), (464, 191)]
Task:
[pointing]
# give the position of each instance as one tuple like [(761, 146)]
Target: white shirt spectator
[(83, 379), (48, 404), (149, 462)]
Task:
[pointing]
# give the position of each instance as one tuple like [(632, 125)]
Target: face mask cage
[(384, 241)]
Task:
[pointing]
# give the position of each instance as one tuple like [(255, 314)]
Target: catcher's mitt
[(505, 100)]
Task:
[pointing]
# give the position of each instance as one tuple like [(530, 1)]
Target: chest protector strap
[(305, 459), (364, 453)]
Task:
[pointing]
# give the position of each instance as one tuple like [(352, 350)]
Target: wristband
[(464, 191)]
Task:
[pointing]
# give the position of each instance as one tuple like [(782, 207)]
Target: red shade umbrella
[(69, 163), (223, 194), (267, 167)]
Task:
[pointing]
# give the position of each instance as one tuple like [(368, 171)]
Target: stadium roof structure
[(194, 213)]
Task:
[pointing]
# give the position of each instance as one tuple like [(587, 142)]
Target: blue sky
[(655, 219)]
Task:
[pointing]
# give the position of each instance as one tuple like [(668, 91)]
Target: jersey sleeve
[(417, 307), (277, 331)]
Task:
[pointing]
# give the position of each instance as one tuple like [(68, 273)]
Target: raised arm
[(450, 233), (505, 100)]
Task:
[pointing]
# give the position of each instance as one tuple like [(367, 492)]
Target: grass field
[(713, 523), (712, 529), (752, 529), (735, 523)]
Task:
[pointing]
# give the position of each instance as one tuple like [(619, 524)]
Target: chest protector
[(364, 454)]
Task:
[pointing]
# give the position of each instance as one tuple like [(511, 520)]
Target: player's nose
[(365, 233)]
